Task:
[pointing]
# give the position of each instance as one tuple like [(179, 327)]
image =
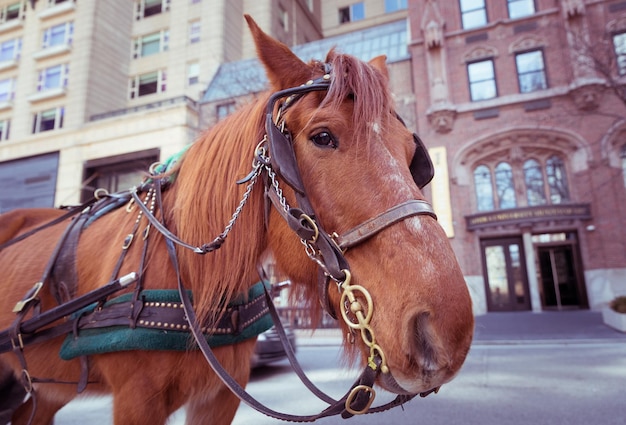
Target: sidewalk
[(549, 326), (512, 328)]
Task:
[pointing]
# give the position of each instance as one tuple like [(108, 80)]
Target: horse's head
[(356, 161)]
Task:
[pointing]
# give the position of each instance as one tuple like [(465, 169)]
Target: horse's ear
[(283, 68), (380, 63)]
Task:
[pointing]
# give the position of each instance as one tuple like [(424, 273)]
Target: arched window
[(557, 181), (622, 155), (484, 188), (533, 176), (504, 186)]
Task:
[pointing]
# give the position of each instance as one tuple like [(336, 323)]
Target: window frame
[(16, 49), (112, 168), (46, 75), (515, 183), (195, 31), (5, 128), (57, 114), (466, 12), (534, 184), (10, 92), (19, 7), (622, 155), (139, 82), (473, 83), (395, 5), (620, 53), (161, 37), (543, 72), (347, 13), (146, 9), (524, 14), (68, 35), (193, 73), (222, 110)]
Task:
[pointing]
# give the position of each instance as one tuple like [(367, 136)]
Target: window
[(4, 129), (394, 5), (505, 188), (354, 12), (482, 80), (28, 182), (224, 110), (194, 32), (497, 189), (531, 72), (12, 12), (145, 84), (283, 18), (50, 119), (520, 8), (7, 90), (557, 182), (146, 8), (193, 73), (533, 177), (53, 77), (622, 155), (484, 188), (151, 44), (117, 173), (473, 13), (58, 35), (10, 49), (619, 44)]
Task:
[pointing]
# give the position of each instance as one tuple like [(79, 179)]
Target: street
[(563, 383)]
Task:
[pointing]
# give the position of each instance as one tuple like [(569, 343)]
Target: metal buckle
[(352, 396), (22, 303)]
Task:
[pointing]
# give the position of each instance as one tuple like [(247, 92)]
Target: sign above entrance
[(528, 215)]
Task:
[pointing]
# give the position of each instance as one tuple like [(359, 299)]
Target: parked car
[(269, 347)]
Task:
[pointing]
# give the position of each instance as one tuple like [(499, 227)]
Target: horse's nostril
[(424, 343)]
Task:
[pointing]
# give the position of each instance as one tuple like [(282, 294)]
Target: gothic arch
[(612, 142), (518, 143)]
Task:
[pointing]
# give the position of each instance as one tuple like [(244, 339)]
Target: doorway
[(560, 283), (506, 281)]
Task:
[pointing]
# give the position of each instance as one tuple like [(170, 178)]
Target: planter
[(614, 319)]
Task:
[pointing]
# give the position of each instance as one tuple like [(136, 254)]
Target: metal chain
[(255, 175)]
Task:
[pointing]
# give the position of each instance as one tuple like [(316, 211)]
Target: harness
[(274, 158)]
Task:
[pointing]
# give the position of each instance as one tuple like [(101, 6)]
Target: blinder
[(421, 166), (282, 155)]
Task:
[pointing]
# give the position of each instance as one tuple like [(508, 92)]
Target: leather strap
[(370, 227)]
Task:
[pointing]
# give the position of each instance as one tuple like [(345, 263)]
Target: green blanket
[(122, 338)]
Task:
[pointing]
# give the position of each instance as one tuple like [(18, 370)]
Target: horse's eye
[(324, 139)]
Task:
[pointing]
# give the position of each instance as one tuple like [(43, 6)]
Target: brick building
[(516, 100)]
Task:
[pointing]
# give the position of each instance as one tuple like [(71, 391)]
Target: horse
[(335, 197)]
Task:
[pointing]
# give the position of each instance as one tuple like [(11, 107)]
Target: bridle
[(275, 157)]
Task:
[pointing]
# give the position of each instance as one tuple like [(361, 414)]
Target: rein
[(274, 157), (324, 249)]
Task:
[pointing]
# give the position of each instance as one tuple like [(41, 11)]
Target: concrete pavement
[(513, 328)]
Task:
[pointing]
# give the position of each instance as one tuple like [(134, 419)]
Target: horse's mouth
[(409, 387)]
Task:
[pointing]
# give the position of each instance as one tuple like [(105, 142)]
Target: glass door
[(504, 268), (558, 277)]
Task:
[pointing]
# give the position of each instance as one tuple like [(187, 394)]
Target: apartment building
[(91, 92), (521, 103)]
